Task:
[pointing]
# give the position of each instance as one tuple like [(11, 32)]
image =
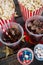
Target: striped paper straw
[(2, 27)]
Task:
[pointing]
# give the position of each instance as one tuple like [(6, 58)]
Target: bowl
[(38, 52), (25, 56)]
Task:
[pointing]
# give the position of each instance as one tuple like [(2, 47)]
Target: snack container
[(38, 52), (25, 56), (12, 25), (26, 13), (34, 38), (7, 12)]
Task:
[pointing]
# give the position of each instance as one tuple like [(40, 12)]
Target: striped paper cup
[(27, 13), (6, 22)]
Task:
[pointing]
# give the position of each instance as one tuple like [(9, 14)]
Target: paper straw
[(0, 26), (5, 24), (1, 22), (8, 23)]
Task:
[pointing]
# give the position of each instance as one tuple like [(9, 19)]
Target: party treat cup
[(11, 25), (7, 12), (25, 56), (34, 37), (26, 9), (38, 52)]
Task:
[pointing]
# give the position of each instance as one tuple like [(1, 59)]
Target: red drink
[(34, 27), (13, 35)]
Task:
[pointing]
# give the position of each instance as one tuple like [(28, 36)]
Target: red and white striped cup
[(6, 22), (27, 13)]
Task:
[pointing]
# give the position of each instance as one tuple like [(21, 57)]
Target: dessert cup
[(34, 38), (12, 25), (25, 56)]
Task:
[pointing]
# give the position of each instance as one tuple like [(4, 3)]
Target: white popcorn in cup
[(30, 7)]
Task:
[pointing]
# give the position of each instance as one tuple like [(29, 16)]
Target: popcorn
[(30, 7), (33, 4), (7, 8)]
